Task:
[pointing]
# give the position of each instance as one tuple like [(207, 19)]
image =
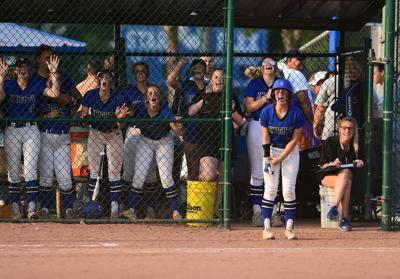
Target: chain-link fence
[(124, 122)]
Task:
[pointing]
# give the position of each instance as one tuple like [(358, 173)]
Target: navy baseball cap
[(296, 51), (22, 61)]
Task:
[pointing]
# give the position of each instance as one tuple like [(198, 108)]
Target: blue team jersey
[(155, 130), (47, 105), (100, 110), (257, 88), (23, 103), (133, 96), (281, 130)]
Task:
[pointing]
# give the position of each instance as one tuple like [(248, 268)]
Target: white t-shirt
[(296, 78), (326, 98), (378, 100)]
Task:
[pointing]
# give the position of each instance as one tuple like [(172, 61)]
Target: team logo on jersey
[(22, 99), (260, 94), (102, 114)]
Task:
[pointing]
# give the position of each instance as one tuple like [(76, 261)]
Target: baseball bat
[(99, 176)]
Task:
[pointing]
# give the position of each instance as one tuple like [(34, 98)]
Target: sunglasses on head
[(267, 63)]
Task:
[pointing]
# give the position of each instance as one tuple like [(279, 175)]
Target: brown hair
[(355, 136)]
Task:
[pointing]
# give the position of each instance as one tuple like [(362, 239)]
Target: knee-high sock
[(32, 190), (256, 195), (45, 196), (266, 209), (136, 194), (116, 191), (290, 212), (68, 198), (172, 196), (14, 189)]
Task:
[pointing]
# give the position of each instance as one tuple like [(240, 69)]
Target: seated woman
[(208, 104), (155, 140), (336, 151)]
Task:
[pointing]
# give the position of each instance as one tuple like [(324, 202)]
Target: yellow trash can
[(200, 201)]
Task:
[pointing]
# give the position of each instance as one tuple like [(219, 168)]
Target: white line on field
[(112, 247)]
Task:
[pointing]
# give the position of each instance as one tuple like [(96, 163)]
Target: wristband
[(266, 148)]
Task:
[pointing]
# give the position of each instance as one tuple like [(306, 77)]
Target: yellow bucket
[(200, 201)]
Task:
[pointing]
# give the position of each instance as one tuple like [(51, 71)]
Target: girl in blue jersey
[(23, 138), (257, 96), (105, 103), (155, 140), (185, 92), (281, 129)]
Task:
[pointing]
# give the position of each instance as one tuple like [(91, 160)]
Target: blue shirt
[(155, 130), (47, 105), (100, 110), (257, 89), (134, 98), (281, 130), (23, 103)]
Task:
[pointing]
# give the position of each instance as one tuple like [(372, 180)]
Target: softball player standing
[(135, 97), (105, 103), (281, 129), (257, 96), (155, 140), (55, 151), (21, 98)]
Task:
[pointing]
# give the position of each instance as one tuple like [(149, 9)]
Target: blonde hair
[(252, 72), (355, 136)]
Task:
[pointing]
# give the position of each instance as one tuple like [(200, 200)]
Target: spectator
[(257, 96), (91, 81), (55, 151), (105, 103), (184, 94), (281, 129), (135, 98), (292, 71), (209, 105), (155, 140), (23, 138), (351, 101), (377, 134), (324, 118), (338, 150), (209, 67), (315, 83)]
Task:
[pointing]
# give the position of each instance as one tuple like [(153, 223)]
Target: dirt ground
[(59, 251)]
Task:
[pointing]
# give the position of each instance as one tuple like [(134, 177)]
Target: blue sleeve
[(167, 113), (264, 118), (67, 84), (86, 100), (299, 119), (8, 86), (251, 90)]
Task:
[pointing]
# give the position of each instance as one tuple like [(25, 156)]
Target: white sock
[(267, 224), (32, 206), (256, 209), (289, 225), (15, 207), (114, 206), (275, 209), (45, 209)]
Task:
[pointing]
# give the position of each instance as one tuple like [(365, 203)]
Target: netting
[(128, 126)]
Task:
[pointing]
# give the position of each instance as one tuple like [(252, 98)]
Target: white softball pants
[(131, 146), (163, 151), (115, 147), (55, 158), (290, 168), (22, 141), (255, 152)]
